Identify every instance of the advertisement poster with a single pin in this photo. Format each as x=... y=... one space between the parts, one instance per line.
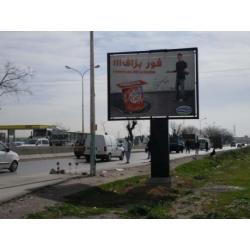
x=162 y=83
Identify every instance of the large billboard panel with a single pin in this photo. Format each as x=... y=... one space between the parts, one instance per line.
x=159 y=84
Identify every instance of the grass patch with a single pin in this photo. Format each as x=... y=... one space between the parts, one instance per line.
x=132 y=198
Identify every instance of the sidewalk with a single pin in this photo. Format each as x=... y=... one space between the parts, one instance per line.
x=26 y=184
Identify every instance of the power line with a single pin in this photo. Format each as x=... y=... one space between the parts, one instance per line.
x=68 y=80
x=101 y=79
x=223 y=70
x=223 y=76
x=60 y=84
x=66 y=84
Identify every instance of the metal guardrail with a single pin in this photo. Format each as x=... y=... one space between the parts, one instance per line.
x=37 y=150
x=42 y=150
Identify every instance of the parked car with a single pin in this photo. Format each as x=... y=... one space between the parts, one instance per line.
x=107 y=147
x=233 y=144
x=79 y=148
x=36 y=142
x=8 y=159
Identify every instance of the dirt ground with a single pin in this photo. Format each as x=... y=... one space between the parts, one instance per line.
x=51 y=195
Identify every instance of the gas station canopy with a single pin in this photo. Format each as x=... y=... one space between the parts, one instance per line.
x=12 y=128
x=17 y=127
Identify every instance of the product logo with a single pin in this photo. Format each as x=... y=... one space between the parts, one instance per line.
x=135 y=97
x=184 y=110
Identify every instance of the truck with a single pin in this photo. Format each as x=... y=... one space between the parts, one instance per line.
x=176 y=144
x=56 y=137
x=192 y=139
x=216 y=141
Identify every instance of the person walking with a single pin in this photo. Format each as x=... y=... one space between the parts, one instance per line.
x=206 y=146
x=187 y=145
x=127 y=149
x=197 y=147
x=149 y=149
x=182 y=71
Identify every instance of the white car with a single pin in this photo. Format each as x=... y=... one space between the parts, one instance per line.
x=36 y=142
x=8 y=159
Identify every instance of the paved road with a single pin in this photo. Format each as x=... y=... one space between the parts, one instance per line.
x=35 y=174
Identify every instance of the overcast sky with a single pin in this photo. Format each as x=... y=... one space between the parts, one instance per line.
x=224 y=74
x=224 y=83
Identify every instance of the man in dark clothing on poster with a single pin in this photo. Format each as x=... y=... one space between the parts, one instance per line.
x=182 y=71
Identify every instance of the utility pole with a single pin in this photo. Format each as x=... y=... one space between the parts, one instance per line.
x=92 y=108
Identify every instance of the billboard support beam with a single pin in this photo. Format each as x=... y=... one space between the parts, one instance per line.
x=160 y=166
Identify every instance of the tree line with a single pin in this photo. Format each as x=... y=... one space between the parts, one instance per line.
x=208 y=131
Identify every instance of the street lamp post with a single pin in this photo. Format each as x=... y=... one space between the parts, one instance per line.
x=200 y=123
x=82 y=75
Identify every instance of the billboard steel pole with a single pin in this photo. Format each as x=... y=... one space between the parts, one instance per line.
x=92 y=108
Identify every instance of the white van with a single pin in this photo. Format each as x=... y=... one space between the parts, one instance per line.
x=107 y=147
x=202 y=142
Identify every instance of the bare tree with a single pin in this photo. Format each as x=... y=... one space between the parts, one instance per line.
x=130 y=126
x=13 y=80
x=139 y=129
x=190 y=130
x=227 y=135
x=176 y=128
x=61 y=126
x=103 y=126
x=211 y=131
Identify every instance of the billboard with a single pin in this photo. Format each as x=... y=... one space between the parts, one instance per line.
x=155 y=83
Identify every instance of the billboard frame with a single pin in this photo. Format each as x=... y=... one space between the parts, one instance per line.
x=196 y=89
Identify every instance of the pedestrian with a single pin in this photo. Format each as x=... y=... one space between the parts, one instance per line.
x=127 y=149
x=197 y=147
x=187 y=145
x=181 y=70
x=206 y=146
x=213 y=154
x=149 y=149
